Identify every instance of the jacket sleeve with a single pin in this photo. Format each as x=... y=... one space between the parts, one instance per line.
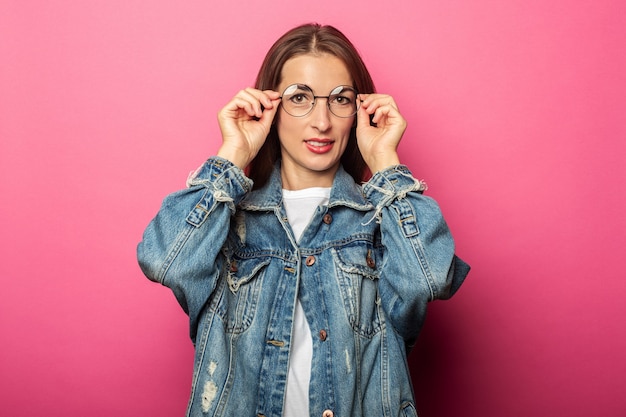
x=420 y=264
x=181 y=245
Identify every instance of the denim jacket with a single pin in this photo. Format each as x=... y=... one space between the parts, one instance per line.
x=364 y=270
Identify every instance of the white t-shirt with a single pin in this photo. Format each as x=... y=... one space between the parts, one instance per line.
x=300 y=206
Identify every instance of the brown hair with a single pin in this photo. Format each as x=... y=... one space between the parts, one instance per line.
x=307 y=39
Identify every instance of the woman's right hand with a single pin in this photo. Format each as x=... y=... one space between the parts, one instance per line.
x=245 y=123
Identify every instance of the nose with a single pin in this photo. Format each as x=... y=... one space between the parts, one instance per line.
x=320 y=115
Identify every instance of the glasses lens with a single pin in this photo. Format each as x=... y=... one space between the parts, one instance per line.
x=343 y=102
x=298 y=100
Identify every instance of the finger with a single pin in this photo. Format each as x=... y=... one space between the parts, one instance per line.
x=362 y=117
x=272 y=95
x=266 y=98
x=237 y=107
x=247 y=101
x=383 y=113
x=382 y=108
x=269 y=113
x=252 y=100
x=373 y=101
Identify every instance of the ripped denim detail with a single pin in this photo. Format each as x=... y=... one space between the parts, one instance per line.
x=387 y=188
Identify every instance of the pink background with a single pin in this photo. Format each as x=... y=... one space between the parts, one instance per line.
x=516 y=114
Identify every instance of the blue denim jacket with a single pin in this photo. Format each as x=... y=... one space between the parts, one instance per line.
x=364 y=270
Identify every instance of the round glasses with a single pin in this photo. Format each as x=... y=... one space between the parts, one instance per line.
x=298 y=100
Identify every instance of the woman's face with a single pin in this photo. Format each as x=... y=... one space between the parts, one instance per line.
x=312 y=145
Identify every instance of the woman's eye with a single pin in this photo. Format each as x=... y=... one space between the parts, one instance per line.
x=340 y=100
x=299 y=99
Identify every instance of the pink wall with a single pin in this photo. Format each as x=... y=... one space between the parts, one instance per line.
x=516 y=117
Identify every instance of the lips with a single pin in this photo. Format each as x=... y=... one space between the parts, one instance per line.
x=317 y=145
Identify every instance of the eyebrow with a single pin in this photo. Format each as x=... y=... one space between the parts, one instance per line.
x=303 y=86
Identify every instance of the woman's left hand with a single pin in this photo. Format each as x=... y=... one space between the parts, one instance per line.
x=378 y=144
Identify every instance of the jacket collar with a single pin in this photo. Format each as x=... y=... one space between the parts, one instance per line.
x=344 y=192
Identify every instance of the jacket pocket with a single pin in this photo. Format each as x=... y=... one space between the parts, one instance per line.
x=243 y=279
x=357 y=271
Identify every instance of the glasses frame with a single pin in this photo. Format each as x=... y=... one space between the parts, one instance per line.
x=306 y=87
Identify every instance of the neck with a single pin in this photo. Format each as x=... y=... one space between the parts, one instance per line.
x=298 y=179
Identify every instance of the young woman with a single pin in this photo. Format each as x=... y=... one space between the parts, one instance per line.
x=304 y=287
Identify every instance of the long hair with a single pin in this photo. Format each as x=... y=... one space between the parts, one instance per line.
x=310 y=39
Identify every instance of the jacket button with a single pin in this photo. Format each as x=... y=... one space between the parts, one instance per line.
x=310 y=260
x=327 y=413
x=323 y=335
x=233 y=267
x=328 y=219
